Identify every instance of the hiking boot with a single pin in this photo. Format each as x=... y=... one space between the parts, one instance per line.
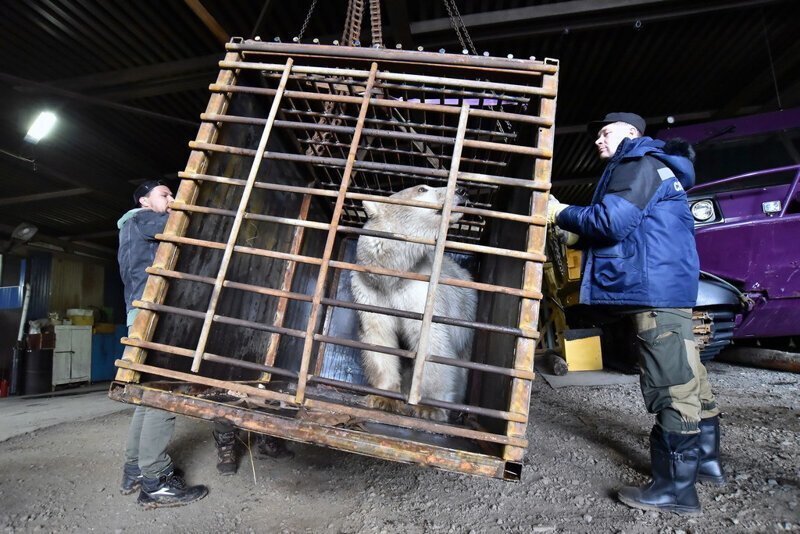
x=168 y=490
x=131 y=478
x=226 y=452
x=272 y=447
x=710 y=471
x=674 y=461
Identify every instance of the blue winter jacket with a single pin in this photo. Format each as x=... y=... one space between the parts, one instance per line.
x=638 y=232
x=137 y=249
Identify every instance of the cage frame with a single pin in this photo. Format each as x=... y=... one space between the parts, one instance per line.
x=172 y=395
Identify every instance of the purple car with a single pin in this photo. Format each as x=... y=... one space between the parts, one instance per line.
x=746 y=207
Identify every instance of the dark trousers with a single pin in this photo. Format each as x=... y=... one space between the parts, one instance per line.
x=674 y=381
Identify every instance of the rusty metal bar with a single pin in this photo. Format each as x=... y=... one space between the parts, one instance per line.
x=326 y=255
x=383 y=102
x=438 y=257
x=354 y=267
x=301 y=223
x=218 y=318
x=385 y=122
x=414 y=423
x=355 y=441
x=167 y=253
x=229 y=284
x=382 y=150
x=527 y=219
x=327 y=82
x=394 y=76
x=188 y=353
x=237 y=222
x=440 y=139
x=450 y=245
x=466 y=364
x=519 y=399
x=199 y=379
x=238 y=248
x=286 y=285
x=447 y=281
x=460 y=61
x=513 y=331
x=378 y=167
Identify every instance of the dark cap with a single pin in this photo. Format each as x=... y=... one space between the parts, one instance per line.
x=144 y=189
x=630 y=118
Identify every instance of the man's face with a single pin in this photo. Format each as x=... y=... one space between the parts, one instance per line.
x=611 y=135
x=157 y=199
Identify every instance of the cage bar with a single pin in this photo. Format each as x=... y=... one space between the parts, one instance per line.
x=249 y=293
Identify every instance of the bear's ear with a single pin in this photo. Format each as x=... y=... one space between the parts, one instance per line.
x=372 y=208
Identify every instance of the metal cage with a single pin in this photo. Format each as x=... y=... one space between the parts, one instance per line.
x=247 y=315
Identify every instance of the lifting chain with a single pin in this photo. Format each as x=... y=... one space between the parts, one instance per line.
x=458 y=25
x=308 y=18
x=352 y=26
x=376 y=23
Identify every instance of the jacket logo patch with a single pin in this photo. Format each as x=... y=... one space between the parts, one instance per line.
x=665 y=173
x=677 y=185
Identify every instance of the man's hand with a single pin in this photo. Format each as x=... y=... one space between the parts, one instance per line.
x=554 y=207
x=566 y=237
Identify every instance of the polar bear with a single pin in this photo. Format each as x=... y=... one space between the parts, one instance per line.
x=385 y=371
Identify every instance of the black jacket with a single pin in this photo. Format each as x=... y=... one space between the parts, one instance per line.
x=137 y=248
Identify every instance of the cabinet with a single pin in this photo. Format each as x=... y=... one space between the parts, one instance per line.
x=72 y=356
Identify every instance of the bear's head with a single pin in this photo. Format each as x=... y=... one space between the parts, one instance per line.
x=414 y=220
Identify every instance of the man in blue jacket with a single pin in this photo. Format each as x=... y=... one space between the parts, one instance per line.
x=640 y=261
x=147 y=463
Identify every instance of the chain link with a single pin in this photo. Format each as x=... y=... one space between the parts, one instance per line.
x=463 y=27
x=308 y=18
x=454 y=24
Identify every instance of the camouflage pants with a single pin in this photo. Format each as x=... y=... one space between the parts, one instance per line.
x=674 y=381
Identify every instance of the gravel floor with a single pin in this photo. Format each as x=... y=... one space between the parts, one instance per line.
x=585 y=443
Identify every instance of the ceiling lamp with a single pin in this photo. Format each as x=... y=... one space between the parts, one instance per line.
x=41 y=127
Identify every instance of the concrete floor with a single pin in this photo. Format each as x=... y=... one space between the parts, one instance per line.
x=25 y=414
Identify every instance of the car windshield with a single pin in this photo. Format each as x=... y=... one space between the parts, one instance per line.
x=725 y=158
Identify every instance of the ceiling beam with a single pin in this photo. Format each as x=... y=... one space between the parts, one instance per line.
x=36 y=87
x=399 y=25
x=62 y=245
x=101 y=185
x=208 y=19
x=585 y=15
x=147 y=73
x=524 y=15
x=764 y=81
x=44 y=196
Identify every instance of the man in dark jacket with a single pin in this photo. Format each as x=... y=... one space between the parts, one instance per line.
x=147 y=463
x=640 y=261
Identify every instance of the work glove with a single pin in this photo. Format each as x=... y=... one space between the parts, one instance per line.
x=554 y=207
x=566 y=237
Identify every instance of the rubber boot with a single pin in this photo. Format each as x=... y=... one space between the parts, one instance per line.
x=226 y=452
x=674 y=461
x=710 y=471
x=168 y=490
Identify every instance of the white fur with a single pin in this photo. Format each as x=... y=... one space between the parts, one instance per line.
x=442 y=382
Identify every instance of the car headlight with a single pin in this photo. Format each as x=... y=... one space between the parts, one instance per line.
x=703 y=211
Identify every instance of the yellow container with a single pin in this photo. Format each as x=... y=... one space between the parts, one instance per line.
x=582 y=349
x=80 y=316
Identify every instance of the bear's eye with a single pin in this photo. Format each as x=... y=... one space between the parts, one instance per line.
x=422 y=189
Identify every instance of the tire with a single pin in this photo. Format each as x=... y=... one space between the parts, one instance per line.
x=713 y=329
